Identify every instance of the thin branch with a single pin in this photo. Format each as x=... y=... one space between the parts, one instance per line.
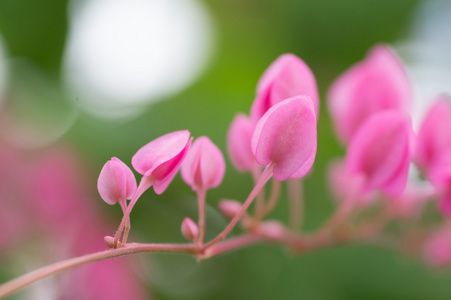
x=24 y=280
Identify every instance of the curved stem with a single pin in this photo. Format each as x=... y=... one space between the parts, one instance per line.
x=260 y=201
x=267 y=173
x=337 y=218
x=24 y=280
x=128 y=225
x=273 y=197
x=145 y=183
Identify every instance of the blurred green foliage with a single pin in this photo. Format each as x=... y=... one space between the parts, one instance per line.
x=329 y=35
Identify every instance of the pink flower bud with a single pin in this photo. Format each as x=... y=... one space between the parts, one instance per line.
x=229 y=208
x=190 y=230
x=109 y=241
x=272 y=229
x=286 y=137
x=381 y=151
x=376 y=84
x=116 y=182
x=286 y=77
x=239 y=143
x=160 y=159
x=434 y=136
x=204 y=165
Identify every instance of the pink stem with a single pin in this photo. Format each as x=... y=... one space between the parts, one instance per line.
x=260 y=201
x=273 y=197
x=201 y=193
x=296 y=202
x=145 y=183
x=231 y=244
x=267 y=173
x=24 y=280
x=338 y=216
x=127 y=226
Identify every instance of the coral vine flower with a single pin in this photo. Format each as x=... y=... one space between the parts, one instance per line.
x=239 y=143
x=204 y=165
x=286 y=77
x=159 y=160
x=376 y=84
x=434 y=136
x=381 y=151
x=116 y=182
x=440 y=177
x=286 y=137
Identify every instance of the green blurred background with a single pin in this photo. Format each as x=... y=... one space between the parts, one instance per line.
x=329 y=36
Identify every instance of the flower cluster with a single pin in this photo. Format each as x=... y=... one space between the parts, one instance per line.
x=369 y=105
x=375 y=183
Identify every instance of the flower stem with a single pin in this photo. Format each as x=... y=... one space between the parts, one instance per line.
x=260 y=201
x=296 y=202
x=273 y=197
x=127 y=226
x=24 y=280
x=201 y=193
x=230 y=244
x=267 y=173
x=145 y=183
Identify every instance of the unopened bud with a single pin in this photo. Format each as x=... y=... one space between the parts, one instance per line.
x=272 y=229
x=189 y=229
x=109 y=241
x=229 y=208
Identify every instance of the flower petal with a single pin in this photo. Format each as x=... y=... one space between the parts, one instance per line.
x=286 y=136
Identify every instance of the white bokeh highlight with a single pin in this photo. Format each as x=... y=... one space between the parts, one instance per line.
x=123 y=54
x=427 y=55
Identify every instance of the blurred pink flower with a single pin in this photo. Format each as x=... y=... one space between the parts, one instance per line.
x=440 y=177
x=381 y=151
x=434 y=136
x=376 y=84
x=239 y=143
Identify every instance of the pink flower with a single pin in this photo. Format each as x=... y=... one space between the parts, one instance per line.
x=434 y=136
x=376 y=84
x=286 y=77
x=239 y=143
x=116 y=182
x=286 y=137
x=381 y=151
x=159 y=160
x=440 y=177
x=204 y=165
